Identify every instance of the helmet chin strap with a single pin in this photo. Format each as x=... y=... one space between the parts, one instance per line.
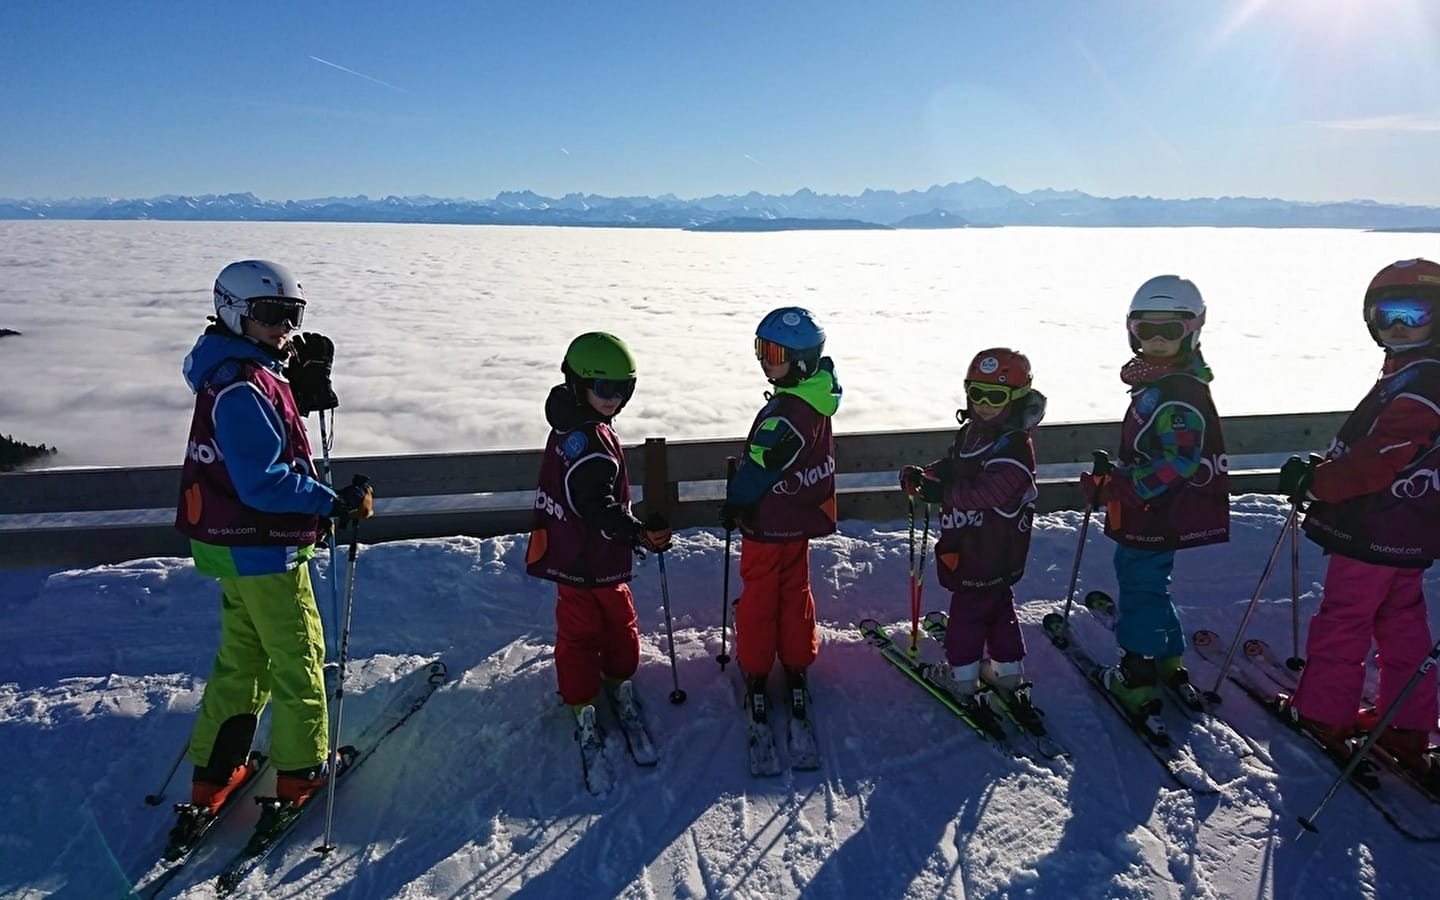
x=1400 y=348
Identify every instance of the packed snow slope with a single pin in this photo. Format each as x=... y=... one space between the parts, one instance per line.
x=480 y=794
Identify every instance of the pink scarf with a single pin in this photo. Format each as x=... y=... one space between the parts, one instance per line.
x=1145 y=371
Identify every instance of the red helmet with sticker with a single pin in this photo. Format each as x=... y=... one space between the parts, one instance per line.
x=1000 y=365
x=1406 y=279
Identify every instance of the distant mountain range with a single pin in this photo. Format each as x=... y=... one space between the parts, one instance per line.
x=974 y=203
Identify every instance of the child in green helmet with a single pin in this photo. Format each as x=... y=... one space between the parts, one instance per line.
x=583 y=534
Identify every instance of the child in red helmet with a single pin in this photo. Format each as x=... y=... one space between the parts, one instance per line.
x=1375 y=508
x=986 y=485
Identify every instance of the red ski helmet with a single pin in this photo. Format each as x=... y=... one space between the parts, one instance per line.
x=1407 y=278
x=1000 y=365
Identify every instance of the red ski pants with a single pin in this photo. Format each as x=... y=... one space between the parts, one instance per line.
x=1364 y=600
x=776 y=612
x=595 y=636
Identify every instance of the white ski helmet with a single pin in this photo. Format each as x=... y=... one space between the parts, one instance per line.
x=240 y=283
x=1169 y=294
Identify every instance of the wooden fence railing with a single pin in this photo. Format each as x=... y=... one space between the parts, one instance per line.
x=92 y=516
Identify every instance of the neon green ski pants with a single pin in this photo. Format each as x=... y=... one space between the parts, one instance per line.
x=271 y=642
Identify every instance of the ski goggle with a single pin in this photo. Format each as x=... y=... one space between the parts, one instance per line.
x=273 y=312
x=770 y=352
x=1393 y=311
x=1168 y=329
x=983 y=394
x=613 y=388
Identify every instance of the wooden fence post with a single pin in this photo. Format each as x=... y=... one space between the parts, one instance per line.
x=660 y=493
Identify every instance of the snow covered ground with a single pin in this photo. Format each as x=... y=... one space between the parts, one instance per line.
x=480 y=794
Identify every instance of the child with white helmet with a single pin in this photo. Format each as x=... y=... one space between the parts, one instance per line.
x=253 y=508
x=1169 y=491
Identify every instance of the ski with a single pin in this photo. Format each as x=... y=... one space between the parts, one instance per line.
x=1178 y=760
x=638 y=742
x=594 y=765
x=764 y=756
x=278 y=819
x=1031 y=731
x=180 y=848
x=1259 y=652
x=1259 y=655
x=1401 y=801
x=1190 y=701
x=800 y=743
x=981 y=719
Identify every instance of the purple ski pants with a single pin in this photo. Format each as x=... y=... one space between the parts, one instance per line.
x=982 y=618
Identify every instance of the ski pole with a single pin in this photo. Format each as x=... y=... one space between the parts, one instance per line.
x=677 y=696
x=325 y=439
x=919 y=583
x=914 y=601
x=1080 y=544
x=724 y=656
x=159 y=795
x=325 y=845
x=1296 y=662
x=1213 y=695
x=1428 y=663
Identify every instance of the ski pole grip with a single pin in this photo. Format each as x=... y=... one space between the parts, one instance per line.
x=730 y=464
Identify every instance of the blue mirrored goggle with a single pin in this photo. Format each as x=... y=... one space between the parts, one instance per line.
x=613 y=388
x=1409 y=311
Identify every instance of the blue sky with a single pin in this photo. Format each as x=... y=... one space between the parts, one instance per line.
x=1302 y=99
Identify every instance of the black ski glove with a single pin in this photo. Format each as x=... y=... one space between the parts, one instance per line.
x=354 y=502
x=1296 y=476
x=730 y=513
x=654 y=534
x=309 y=372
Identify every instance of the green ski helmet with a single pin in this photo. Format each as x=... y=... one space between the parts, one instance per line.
x=601 y=362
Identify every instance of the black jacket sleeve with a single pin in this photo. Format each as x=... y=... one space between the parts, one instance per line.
x=592 y=493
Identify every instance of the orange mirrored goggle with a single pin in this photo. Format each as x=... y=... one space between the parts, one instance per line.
x=770 y=352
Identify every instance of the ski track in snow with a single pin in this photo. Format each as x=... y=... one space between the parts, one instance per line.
x=480 y=794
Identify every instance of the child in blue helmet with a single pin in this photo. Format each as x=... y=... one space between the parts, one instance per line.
x=782 y=495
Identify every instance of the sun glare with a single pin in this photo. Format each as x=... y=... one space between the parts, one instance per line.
x=1332 y=23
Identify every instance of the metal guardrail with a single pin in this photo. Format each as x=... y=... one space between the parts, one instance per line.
x=68 y=517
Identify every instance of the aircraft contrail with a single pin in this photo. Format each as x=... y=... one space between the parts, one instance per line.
x=326 y=62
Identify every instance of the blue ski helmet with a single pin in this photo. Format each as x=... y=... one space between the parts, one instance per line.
x=794 y=330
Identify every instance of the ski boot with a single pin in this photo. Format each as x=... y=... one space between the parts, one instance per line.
x=1024 y=710
x=297 y=786
x=1133 y=684
x=1172 y=671
x=1340 y=741
x=627 y=705
x=799 y=693
x=755 y=699
x=1411 y=750
x=1007 y=679
x=959 y=682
